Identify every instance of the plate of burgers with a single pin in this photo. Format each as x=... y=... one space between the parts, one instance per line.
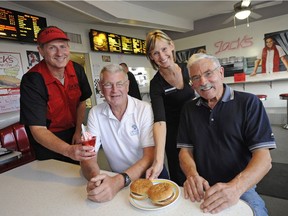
x=153 y=194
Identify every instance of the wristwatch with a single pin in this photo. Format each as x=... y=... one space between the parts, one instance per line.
x=127 y=179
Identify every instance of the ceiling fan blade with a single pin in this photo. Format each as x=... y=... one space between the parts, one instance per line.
x=228 y=20
x=245 y=3
x=267 y=4
x=255 y=15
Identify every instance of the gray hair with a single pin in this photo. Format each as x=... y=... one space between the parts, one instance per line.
x=113 y=69
x=200 y=56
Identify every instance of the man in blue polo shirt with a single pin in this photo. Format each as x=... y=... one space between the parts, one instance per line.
x=225 y=137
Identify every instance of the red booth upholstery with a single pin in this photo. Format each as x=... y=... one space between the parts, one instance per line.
x=15 y=137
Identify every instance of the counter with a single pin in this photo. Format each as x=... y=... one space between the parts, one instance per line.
x=9 y=118
x=263 y=77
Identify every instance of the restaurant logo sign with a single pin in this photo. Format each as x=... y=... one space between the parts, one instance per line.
x=238 y=43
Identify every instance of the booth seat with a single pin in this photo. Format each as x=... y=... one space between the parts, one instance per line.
x=15 y=137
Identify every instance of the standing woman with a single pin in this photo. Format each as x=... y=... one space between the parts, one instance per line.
x=169 y=90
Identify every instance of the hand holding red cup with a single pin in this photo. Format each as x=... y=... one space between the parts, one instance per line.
x=90 y=141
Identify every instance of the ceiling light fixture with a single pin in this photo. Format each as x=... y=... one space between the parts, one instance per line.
x=242 y=10
x=243 y=14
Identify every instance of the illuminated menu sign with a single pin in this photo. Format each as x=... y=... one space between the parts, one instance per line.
x=98 y=41
x=110 y=42
x=20 y=26
x=127 y=45
x=137 y=46
x=114 y=41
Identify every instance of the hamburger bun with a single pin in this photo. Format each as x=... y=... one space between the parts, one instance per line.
x=161 y=194
x=139 y=188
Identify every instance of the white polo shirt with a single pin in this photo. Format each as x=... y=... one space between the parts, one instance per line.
x=122 y=141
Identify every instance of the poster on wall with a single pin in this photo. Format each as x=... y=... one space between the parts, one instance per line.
x=11 y=70
x=33 y=58
x=182 y=56
x=281 y=39
x=9 y=100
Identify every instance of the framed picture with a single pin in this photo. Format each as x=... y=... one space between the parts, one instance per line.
x=33 y=58
x=106 y=58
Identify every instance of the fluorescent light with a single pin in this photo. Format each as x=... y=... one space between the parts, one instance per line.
x=243 y=14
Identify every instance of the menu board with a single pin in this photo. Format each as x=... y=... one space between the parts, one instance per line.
x=127 y=45
x=20 y=26
x=98 y=41
x=110 y=42
x=137 y=46
x=114 y=42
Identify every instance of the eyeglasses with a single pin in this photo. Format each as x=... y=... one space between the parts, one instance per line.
x=119 y=84
x=207 y=75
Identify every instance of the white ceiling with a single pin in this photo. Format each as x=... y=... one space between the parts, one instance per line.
x=178 y=18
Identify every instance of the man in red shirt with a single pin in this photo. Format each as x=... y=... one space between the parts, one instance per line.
x=52 y=103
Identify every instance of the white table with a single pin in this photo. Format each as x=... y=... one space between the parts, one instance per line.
x=56 y=188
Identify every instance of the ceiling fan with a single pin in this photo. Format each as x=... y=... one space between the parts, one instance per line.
x=244 y=10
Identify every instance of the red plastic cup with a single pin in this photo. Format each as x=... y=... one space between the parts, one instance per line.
x=90 y=142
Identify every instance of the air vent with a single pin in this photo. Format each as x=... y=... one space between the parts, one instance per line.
x=74 y=38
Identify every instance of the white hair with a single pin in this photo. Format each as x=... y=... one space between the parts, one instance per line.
x=200 y=56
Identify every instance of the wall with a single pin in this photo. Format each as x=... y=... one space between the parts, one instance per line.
x=240 y=41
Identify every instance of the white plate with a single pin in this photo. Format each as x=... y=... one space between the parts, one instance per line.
x=147 y=204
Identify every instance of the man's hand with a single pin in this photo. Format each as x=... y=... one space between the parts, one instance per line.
x=103 y=188
x=79 y=152
x=76 y=138
x=219 y=197
x=195 y=187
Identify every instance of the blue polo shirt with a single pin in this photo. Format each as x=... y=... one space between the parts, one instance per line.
x=222 y=139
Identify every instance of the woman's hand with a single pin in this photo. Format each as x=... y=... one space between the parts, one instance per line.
x=154 y=171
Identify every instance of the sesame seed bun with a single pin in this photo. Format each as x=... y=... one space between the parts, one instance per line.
x=139 y=188
x=161 y=194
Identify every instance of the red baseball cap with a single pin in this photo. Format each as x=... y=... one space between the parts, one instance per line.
x=50 y=34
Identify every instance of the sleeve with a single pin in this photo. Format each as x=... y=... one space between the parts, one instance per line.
x=93 y=127
x=258 y=132
x=83 y=82
x=33 y=100
x=146 y=130
x=280 y=51
x=157 y=101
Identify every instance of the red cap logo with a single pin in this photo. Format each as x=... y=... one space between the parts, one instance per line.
x=50 y=34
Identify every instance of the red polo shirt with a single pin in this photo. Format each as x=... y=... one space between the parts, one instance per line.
x=63 y=100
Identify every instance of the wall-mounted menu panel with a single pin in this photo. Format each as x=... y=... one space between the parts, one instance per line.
x=127 y=46
x=98 y=41
x=18 y=26
x=111 y=42
x=114 y=42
